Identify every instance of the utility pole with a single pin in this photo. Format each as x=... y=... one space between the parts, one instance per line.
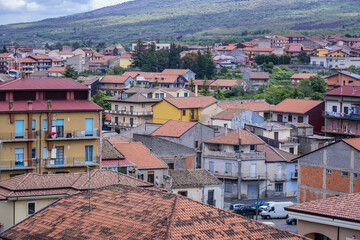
x=257 y=199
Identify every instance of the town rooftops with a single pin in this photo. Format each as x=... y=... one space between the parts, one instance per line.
x=33 y=184
x=300 y=106
x=175 y=71
x=109 y=152
x=347 y=90
x=236 y=137
x=229 y=47
x=165 y=78
x=138 y=154
x=173 y=128
x=259 y=75
x=354 y=142
x=303 y=75
x=199 y=82
x=268 y=126
x=123 y=212
x=229 y=113
x=193 y=178
x=57 y=69
x=4 y=55
x=225 y=82
x=191 y=102
x=273 y=154
x=26 y=60
x=253 y=106
x=45 y=84
x=344 y=207
x=350 y=74
x=136 y=98
x=256 y=49
x=114 y=79
x=126 y=55
x=293 y=35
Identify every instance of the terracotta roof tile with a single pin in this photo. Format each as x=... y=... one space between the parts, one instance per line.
x=57 y=69
x=301 y=106
x=109 y=152
x=173 y=128
x=175 y=71
x=114 y=79
x=191 y=102
x=273 y=154
x=345 y=207
x=355 y=142
x=122 y=212
x=225 y=82
x=199 y=82
x=253 y=106
x=26 y=60
x=42 y=83
x=348 y=90
x=126 y=55
x=233 y=138
x=229 y=113
x=138 y=154
x=303 y=75
x=259 y=75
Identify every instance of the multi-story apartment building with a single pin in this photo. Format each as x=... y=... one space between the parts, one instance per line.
x=4 y=62
x=25 y=66
x=342 y=112
x=48 y=126
x=44 y=63
x=115 y=84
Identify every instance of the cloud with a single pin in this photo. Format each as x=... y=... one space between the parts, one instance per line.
x=14 y=11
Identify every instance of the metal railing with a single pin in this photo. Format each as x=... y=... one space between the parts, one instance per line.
x=226 y=173
x=10 y=136
x=209 y=153
x=70 y=162
x=74 y=134
x=348 y=131
x=122 y=124
x=131 y=113
x=340 y=115
x=12 y=164
x=252 y=156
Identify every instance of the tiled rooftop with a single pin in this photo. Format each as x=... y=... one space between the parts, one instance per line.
x=193 y=178
x=122 y=212
x=301 y=106
x=355 y=142
x=114 y=79
x=303 y=75
x=42 y=84
x=259 y=75
x=175 y=71
x=228 y=113
x=253 y=106
x=173 y=128
x=273 y=154
x=233 y=137
x=225 y=82
x=191 y=102
x=268 y=125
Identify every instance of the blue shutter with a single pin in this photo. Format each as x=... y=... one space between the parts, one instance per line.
x=59 y=122
x=89 y=126
x=19 y=128
x=44 y=124
x=89 y=153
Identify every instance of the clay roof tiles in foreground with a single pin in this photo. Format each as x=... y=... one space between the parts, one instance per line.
x=191 y=102
x=345 y=207
x=173 y=128
x=301 y=106
x=233 y=137
x=122 y=212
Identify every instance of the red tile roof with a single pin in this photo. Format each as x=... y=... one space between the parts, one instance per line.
x=40 y=57
x=229 y=47
x=191 y=102
x=138 y=154
x=26 y=60
x=303 y=75
x=5 y=55
x=253 y=106
x=175 y=71
x=348 y=90
x=355 y=142
x=233 y=137
x=114 y=79
x=259 y=75
x=301 y=106
x=229 y=113
x=57 y=105
x=115 y=163
x=126 y=55
x=57 y=69
x=66 y=53
x=173 y=128
x=345 y=207
x=255 y=49
x=199 y=82
x=42 y=84
x=123 y=212
x=225 y=82
x=273 y=154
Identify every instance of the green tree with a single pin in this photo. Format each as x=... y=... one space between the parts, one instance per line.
x=58 y=46
x=116 y=70
x=205 y=88
x=237 y=90
x=304 y=58
x=137 y=55
x=70 y=72
x=260 y=59
x=149 y=59
x=224 y=70
x=305 y=88
x=99 y=99
x=156 y=83
x=192 y=85
x=318 y=84
x=174 y=57
x=352 y=69
x=210 y=66
x=218 y=94
x=285 y=59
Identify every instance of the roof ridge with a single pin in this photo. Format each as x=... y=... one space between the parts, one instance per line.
x=171 y=218
x=80 y=175
x=9 y=82
x=26 y=176
x=276 y=152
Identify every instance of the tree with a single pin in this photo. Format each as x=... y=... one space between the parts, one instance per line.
x=305 y=87
x=70 y=72
x=58 y=46
x=205 y=89
x=224 y=70
x=100 y=46
x=137 y=55
x=218 y=94
x=116 y=70
x=318 y=84
x=192 y=85
x=304 y=58
x=99 y=99
x=156 y=83
x=174 y=57
x=285 y=59
x=352 y=69
x=209 y=65
x=237 y=90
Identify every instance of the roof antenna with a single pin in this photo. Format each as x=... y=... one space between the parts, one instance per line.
x=89 y=191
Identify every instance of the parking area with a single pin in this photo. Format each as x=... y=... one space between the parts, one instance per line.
x=279 y=223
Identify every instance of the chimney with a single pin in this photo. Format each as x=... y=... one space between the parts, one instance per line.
x=226 y=129
x=196 y=90
x=30 y=105
x=11 y=105
x=49 y=105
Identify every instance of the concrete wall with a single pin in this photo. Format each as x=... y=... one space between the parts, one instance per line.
x=209 y=112
x=218 y=194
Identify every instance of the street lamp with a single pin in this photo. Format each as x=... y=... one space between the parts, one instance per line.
x=257 y=199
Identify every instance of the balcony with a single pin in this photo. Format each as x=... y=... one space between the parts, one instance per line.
x=252 y=177
x=280 y=177
x=211 y=202
x=10 y=137
x=341 y=115
x=194 y=119
x=219 y=154
x=126 y=125
x=253 y=156
x=130 y=113
x=12 y=165
x=343 y=131
x=71 y=162
x=73 y=135
x=294 y=175
x=226 y=174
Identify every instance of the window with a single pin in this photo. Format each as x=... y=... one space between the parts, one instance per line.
x=184 y=112
x=290 y=118
x=89 y=127
x=345 y=174
x=177 y=94
x=161 y=95
x=253 y=170
x=19 y=128
x=45 y=152
x=328 y=171
x=252 y=148
x=334 y=108
x=157 y=95
x=33 y=153
x=355 y=175
x=59 y=155
x=183 y=193
x=89 y=153
x=291 y=150
x=30 y=208
x=236 y=148
x=45 y=123
x=33 y=124
x=211 y=167
x=196 y=144
x=171 y=165
x=300 y=119
x=278 y=187
x=116 y=108
x=59 y=123
x=228 y=167
x=19 y=157
x=143 y=105
x=228 y=187
x=346 y=110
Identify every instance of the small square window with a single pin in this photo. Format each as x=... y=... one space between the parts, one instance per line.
x=328 y=171
x=355 y=176
x=33 y=153
x=252 y=148
x=345 y=174
x=184 y=112
x=171 y=165
x=184 y=193
x=279 y=187
x=30 y=208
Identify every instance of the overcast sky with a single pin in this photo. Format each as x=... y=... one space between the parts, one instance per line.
x=15 y=11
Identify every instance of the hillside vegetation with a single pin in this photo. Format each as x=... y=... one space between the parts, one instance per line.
x=192 y=21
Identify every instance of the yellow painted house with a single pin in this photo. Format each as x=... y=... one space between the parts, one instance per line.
x=125 y=60
x=194 y=109
x=337 y=53
x=321 y=52
x=49 y=125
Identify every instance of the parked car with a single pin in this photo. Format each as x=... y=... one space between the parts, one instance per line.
x=291 y=221
x=244 y=209
x=261 y=205
x=235 y=206
x=276 y=210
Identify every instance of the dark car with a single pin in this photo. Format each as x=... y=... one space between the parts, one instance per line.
x=291 y=221
x=235 y=206
x=246 y=209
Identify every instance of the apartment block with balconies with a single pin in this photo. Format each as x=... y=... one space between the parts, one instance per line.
x=48 y=126
x=342 y=112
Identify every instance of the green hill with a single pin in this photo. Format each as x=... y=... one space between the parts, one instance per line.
x=192 y=21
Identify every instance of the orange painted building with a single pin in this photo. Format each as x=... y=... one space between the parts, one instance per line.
x=341 y=78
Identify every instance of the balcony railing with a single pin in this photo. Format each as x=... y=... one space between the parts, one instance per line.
x=341 y=115
x=74 y=135
x=113 y=124
x=211 y=202
x=252 y=156
x=252 y=177
x=225 y=174
x=11 y=137
x=130 y=113
x=280 y=177
x=70 y=162
x=219 y=154
x=344 y=131
x=13 y=165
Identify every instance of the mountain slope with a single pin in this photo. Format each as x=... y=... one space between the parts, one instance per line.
x=191 y=19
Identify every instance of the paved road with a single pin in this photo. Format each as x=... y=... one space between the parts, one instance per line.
x=279 y=223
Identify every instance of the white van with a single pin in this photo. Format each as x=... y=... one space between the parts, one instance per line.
x=276 y=210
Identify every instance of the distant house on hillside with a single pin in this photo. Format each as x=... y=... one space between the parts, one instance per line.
x=256 y=79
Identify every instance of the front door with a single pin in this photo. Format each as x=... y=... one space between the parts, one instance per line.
x=19 y=128
x=279 y=117
x=252 y=191
x=89 y=126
